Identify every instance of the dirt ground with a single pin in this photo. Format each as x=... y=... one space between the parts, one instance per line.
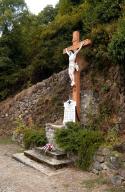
x=16 y=177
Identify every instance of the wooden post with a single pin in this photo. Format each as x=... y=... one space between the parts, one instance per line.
x=76 y=88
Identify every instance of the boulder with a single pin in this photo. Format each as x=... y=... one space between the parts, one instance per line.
x=116 y=180
x=103 y=151
x=99 y=158
x=122 y=173
x=97 y=166
x=120 y=148
x=114 y=163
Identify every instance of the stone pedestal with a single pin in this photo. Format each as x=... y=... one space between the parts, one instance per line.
x=50 y=133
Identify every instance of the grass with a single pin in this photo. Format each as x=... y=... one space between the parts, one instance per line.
x=90 y=184
x=8 y=141
x=5 y=140
x=116 y=189
x=95 y=183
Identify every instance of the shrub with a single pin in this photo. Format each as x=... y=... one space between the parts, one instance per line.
x=34 y=138
x=116 y=47
x=89 y=143
x=32 y=135
x=79 y=141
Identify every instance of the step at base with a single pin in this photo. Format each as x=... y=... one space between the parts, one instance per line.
x=59 y=155
x=49 y=161
x=39 y=167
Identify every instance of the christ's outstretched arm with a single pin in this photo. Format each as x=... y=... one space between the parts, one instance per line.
x=67 y=51
x=78 y=49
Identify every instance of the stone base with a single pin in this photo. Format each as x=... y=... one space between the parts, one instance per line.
x=45 y=159
x=56 y=154
x=53 y=159
x=50 y=134
x=39 y=167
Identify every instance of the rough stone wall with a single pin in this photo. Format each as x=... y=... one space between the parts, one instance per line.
x=110 y=163
x=38 y=103
x=103 y=97
x=101 y=93
x=89 y=104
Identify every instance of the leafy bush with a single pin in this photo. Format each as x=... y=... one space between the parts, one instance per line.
x=32 y=135
x=34 y=138
x=116 y=47
x=90 y=141
x=79 y=141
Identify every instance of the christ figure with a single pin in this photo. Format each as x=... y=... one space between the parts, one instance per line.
x=72 y=64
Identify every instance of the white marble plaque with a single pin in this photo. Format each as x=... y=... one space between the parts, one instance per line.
x=69 y=111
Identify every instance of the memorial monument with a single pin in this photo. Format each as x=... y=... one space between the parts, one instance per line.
x=50 y=154
x=69 y=111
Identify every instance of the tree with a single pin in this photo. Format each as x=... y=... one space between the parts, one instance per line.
x=76 y=2
x=10 y=12
x=64 y=7
x=47 y=15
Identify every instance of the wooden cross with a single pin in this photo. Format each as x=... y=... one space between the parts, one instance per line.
x=76 y=88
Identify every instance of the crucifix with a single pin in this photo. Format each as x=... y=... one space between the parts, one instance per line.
x=74 y=68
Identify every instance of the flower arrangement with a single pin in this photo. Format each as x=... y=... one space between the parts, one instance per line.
x=48 y=147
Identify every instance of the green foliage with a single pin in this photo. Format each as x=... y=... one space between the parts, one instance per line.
x=64 y=6
x=69 y=138
x=10 y=11
x=116 y=46
x=31 y=46
x=34 y=138
x=32 y=135
x=80 y=141
x=90 y=142
x=47 y=15
x=108 y=10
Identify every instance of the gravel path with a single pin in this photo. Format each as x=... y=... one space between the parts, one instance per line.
x=16 y=177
